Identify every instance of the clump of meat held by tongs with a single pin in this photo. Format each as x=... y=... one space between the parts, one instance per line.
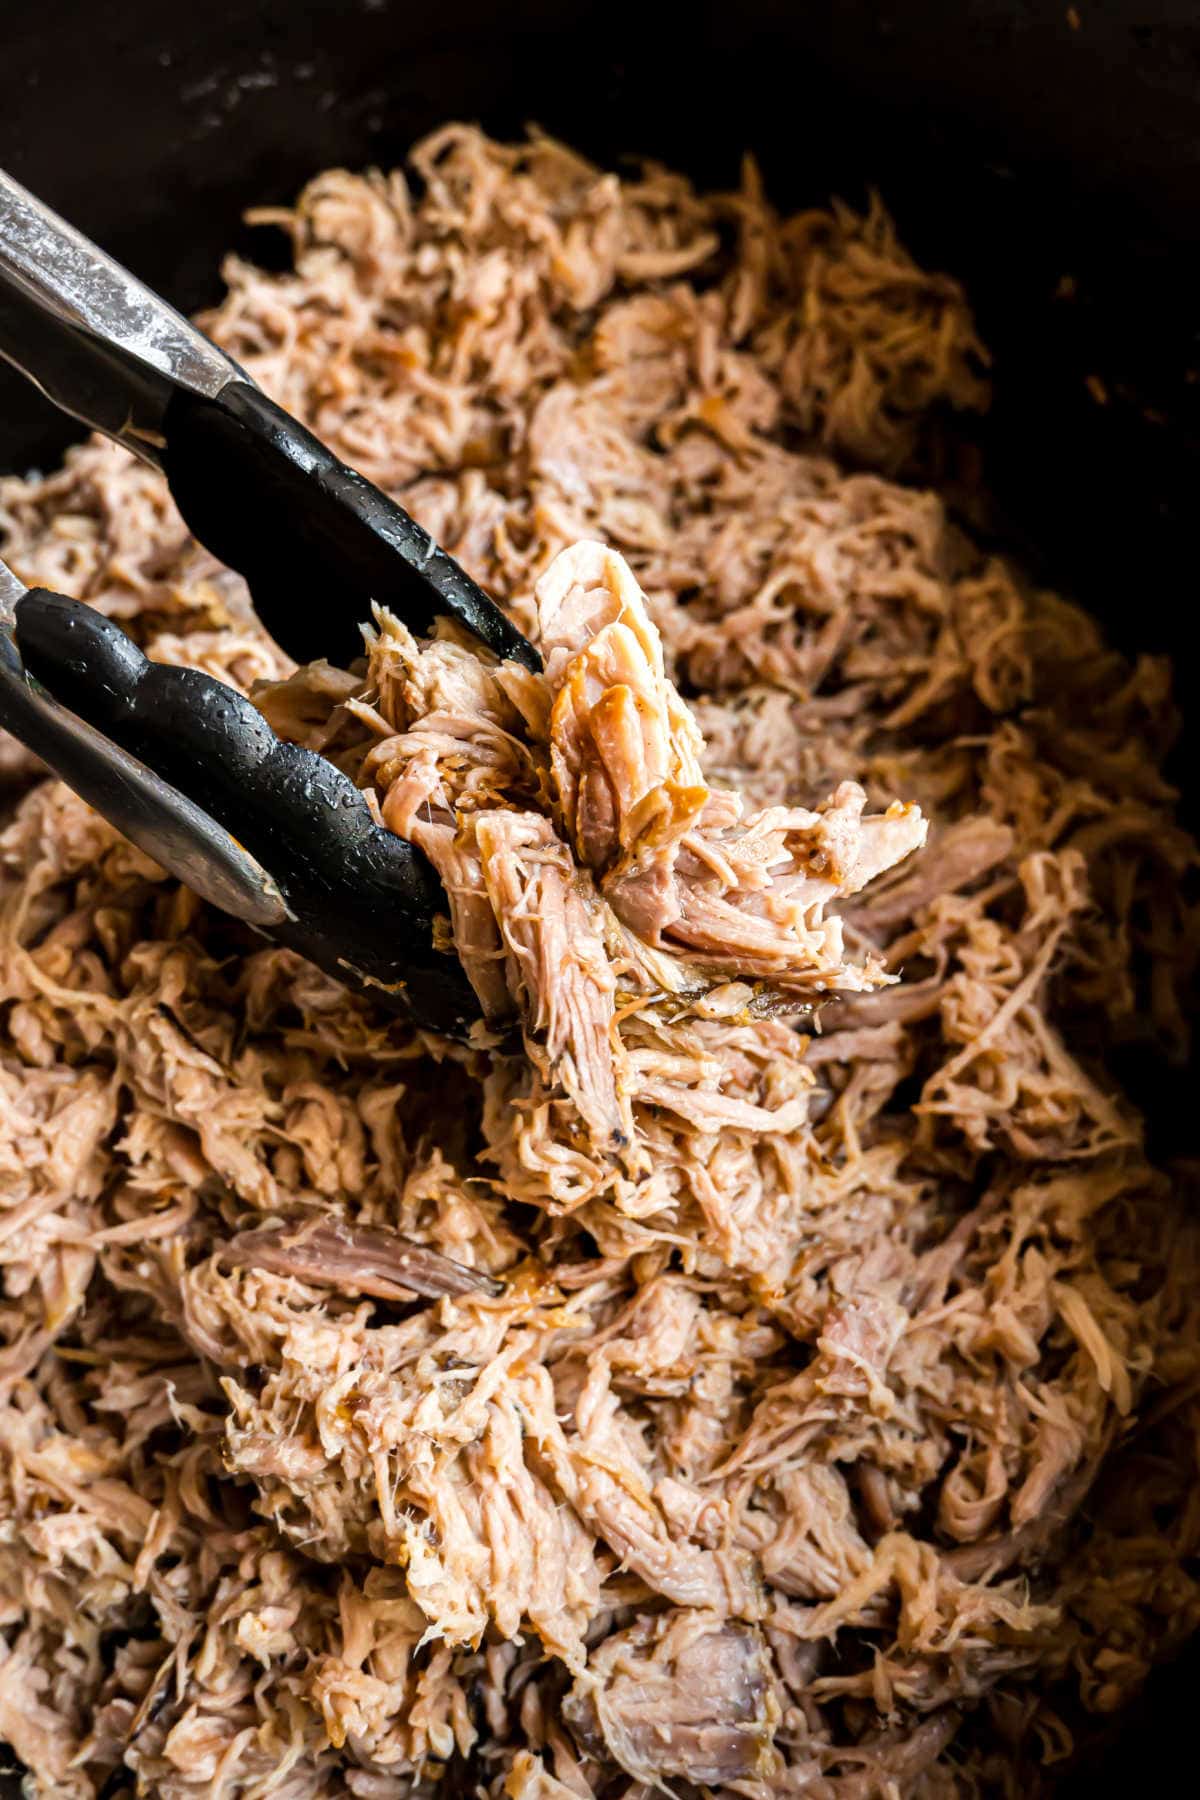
x=589 y=865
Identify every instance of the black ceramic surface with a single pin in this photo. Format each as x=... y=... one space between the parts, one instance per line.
x=1015 y=147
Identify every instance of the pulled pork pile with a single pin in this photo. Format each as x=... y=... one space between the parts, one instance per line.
x=671 y=1396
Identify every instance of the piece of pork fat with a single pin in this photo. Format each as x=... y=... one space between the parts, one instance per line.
x=677 y=861
x=958 y=856
x=355 y=1259
x=624 y=749
x=684 y=1694
x=557 y=967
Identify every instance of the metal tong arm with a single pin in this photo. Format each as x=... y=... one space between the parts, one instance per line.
x=315 y=540
x=193 y=774
x=97 y=342
x=148 y=810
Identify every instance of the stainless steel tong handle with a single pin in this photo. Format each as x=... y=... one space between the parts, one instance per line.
x=315 y=541
x=96 y=341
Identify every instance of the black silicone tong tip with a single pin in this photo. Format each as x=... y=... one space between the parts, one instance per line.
x=316 y=542
x=362 y=901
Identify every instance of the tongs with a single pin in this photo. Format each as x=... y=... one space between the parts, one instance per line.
x=183 y=765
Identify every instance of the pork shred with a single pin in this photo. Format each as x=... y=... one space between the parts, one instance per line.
x=667 y=1387
x=680 y=1695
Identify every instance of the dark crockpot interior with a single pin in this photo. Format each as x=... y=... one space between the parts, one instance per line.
x=1017 y=144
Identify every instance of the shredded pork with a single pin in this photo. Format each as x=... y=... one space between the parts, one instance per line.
x=765 y=1358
